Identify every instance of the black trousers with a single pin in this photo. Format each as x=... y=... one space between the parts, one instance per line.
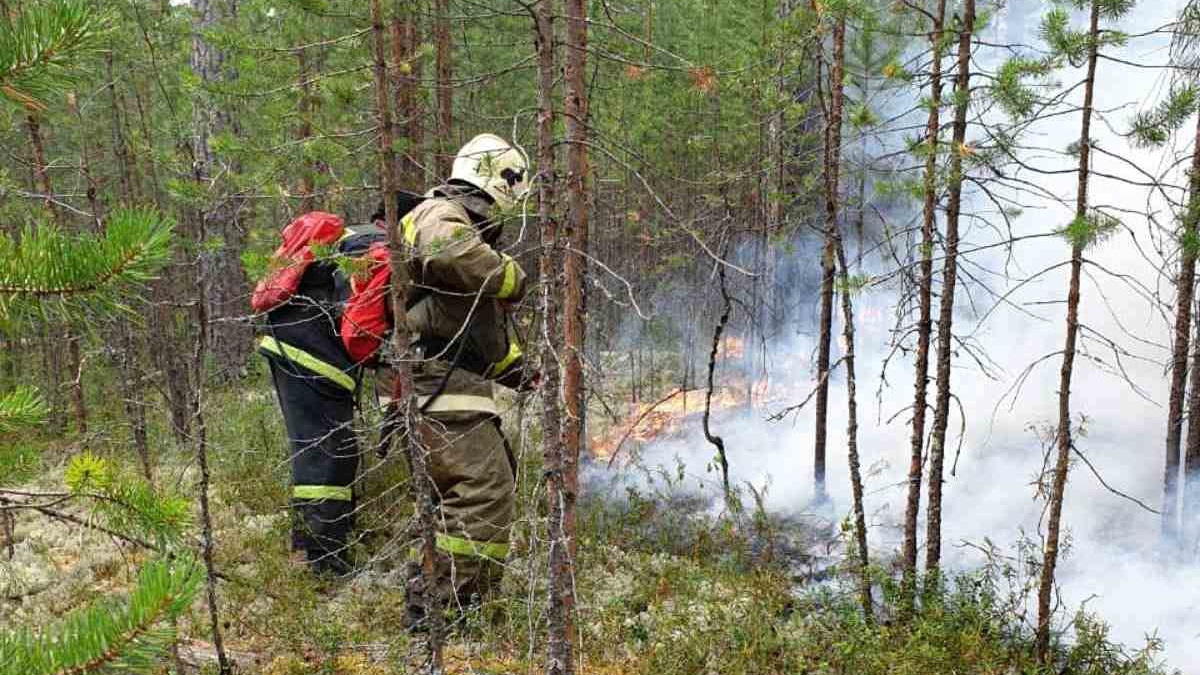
x=319 y=417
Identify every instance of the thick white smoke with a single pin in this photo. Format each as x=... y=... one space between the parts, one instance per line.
x=1113 y=564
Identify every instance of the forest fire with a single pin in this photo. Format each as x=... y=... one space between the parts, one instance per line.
x=731 y=347
x=666 y=417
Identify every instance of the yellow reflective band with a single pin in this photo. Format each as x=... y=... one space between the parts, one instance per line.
x=290 y=353
x=474 y=549
x=509 y=285
x=514 y=353
x=331 y=492
x=460 y=403
x=410 y=229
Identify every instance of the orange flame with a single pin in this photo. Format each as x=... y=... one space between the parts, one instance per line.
x=649 y=421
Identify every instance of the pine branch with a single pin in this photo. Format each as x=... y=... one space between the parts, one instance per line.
x=108 y=635
x=41 y=47
x=46 y=269
x=21 y=408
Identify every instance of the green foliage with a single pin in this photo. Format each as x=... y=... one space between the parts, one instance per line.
x=41 y=47
x=21 y=408
x=125 y=503
x=1010 y=88
x=1085 y=231
x=47 y=271
x=109 y=635
x=853 y=284
x=1152 y=128
x=1063 y=40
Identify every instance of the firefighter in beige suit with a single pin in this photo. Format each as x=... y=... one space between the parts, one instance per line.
x=462 y=287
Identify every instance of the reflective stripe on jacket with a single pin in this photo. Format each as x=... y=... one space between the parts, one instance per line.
x=463 y=281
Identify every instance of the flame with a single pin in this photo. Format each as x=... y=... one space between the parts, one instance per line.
x=648 y=421
x=731 y=347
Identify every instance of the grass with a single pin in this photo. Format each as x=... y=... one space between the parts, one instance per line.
x=664 y=586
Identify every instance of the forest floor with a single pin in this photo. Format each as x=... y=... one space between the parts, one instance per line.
x=665 y=584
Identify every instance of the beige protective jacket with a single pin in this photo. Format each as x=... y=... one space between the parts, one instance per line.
x=463 y=282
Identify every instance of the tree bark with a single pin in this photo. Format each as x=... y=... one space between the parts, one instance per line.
x=1063 y=436
x=403 y=391
x=445 y=88
x=560 y=636
x=1185 y=294
x=856 y=484
x=925 y=300
x=945 y=335
x=405 y=42
x=832 y=167
x=575 y=108
x=304 y=131
x=229 y=337
x=1190 y=530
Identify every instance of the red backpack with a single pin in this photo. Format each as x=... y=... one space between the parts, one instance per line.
x=293 y=257
x=367 y=319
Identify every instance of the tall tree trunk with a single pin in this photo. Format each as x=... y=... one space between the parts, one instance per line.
x=575 y=110
x=219 y=220
x=207 y=541
x=925 y=299
x=945 y=336
x=128 y=344
x=832 y=167
x=1185 y=294
x=560 y=642
x=74 y=360
x=304 y=131
x=1063 y=439
x=856 y=484
x=405 y=42
x=1190 y=523
x=403 y=392
x=445 y=88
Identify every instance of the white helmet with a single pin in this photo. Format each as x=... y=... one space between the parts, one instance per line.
x=489 y=163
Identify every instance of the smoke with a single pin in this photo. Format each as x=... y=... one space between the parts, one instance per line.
x=1113 y=565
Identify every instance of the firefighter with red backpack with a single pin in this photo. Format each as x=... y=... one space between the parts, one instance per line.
x=463 y=286
x=317 y=385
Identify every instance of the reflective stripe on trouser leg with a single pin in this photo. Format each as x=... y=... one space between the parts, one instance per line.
x=471 y=472
x=324 y=459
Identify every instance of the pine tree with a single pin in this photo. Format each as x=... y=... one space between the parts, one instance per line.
x=912 y=510
x=1086 y=228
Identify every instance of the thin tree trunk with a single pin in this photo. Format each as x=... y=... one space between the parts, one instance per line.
x=304 y=130
x=560 y=642
x=207 y=544
x=408 y=80
x=925 y=295
x=40 y=170
x=716 y=441
x=1063 y=437
x=833 y=154
x=403 y=391
x=133 y=381
x=74 y=361
x=1190 y=530
x=945 y=336
x=229 y=338
x=856 y=484
x=445 y=88
x=575 y=108
x=125 y=169
x=1185 y=289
